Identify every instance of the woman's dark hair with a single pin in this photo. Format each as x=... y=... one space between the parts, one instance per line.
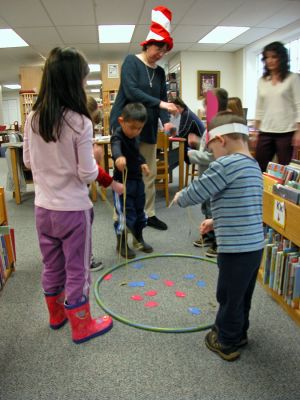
x=157 y=44
x=284 y=65
x=178 y=102
x=61 y=90
x=134 y=112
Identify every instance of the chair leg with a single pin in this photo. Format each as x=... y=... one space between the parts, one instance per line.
x=187 y=167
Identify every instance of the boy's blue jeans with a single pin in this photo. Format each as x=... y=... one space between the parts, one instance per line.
x=236 y=283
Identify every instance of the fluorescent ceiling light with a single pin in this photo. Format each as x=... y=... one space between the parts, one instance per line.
x=115 y=33
x=13 y=86
x=223 y=34
x=95 y=90
x=9 y=38
x=94 y=82
x=94 y=67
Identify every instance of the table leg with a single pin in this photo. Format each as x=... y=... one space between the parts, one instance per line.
x=181 y=164
x=14 y=166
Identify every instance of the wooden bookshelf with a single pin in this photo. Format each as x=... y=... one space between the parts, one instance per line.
x=4 y=221
x=26 y=102
x=290 y=231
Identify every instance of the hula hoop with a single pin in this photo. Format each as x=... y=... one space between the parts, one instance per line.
x=136 y=324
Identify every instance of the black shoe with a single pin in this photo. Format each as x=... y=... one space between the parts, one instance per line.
x=212 y=252
x=228 y=353
x=155 y=223
x=123 y=249
x=95 y=265
x=139 y=243
x=243 y=341
x=204 y=241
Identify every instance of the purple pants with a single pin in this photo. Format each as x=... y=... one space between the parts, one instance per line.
x=65 y=243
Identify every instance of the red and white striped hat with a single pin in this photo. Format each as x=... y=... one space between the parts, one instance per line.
x=160 y=27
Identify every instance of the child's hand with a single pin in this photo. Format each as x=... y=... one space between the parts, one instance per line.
x=121 y=163
x=117 y=187
x=176 y=197
x=145 y=169
x=206 y=226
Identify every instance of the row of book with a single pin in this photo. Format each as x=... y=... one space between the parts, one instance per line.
x=7 y=252
x=286 y=180
x=281 y=267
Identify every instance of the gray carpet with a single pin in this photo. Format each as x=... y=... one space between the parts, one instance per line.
x=128 y=363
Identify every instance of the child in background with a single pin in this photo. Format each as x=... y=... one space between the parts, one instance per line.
x=58 y=149
x=235 y=106
x=95 y=114
x=92 y=107
x=234 y=184
x=203 y=158
x=126 y=154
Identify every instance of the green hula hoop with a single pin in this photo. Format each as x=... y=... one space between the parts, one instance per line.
x=136 y=324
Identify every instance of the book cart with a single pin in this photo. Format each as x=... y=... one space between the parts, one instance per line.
x=7 y=249
x=290 y=230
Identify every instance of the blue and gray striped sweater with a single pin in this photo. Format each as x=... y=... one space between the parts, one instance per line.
x=234 y=185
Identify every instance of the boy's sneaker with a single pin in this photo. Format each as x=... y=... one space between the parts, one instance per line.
x=95 y=265
x=212 y=251
x=228 y=353
x=156 y=223
x=203 y=242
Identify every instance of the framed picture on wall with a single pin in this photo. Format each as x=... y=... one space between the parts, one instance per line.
x=207 y=80
x=113 y=71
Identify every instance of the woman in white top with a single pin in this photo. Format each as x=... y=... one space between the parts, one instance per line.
x=277 y=108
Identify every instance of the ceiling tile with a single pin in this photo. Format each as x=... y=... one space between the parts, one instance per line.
x=140 y=33
x=35 y=36
x=286 y=16
x=190 y=33
x=210 y=12
x=115 y=12
x=252 y=12
x=20 y=13
x=78 y=34
x=252 y=35
x=70 y=12
x=3 y=24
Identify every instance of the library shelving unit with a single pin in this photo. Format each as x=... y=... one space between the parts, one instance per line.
x=4 y=222
x=27 y=99
x=108 y=99
x=290 y=231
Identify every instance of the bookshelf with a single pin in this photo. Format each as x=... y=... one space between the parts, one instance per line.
x=27 y=99
x=9 y=240
x=289 y=231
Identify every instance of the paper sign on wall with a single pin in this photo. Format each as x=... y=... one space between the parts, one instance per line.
x=279 y=213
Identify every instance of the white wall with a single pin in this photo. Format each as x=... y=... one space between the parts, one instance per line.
x=191 y=62
x=13 y=95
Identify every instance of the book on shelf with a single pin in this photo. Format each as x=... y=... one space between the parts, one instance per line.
x=295 y=303
x=7 y=251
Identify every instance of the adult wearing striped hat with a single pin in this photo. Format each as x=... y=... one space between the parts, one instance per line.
x=142 y=80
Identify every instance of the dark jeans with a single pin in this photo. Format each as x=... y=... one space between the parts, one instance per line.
x=269 y=144
x=135 y=202
x=206 y=211
x=236 y=282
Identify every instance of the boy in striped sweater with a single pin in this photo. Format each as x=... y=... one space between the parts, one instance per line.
x=233 y=182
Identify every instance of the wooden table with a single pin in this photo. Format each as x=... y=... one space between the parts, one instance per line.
x=14 y=148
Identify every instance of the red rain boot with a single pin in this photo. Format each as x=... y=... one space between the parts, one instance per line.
x=55 y=304
x=83 y=326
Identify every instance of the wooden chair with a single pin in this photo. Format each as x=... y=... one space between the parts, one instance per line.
x=191 y=174
x=162 y=177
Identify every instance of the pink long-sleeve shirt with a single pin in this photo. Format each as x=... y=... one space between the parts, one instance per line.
x=61 y=170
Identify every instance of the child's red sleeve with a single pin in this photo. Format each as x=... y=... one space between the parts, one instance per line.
x=103 y=178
